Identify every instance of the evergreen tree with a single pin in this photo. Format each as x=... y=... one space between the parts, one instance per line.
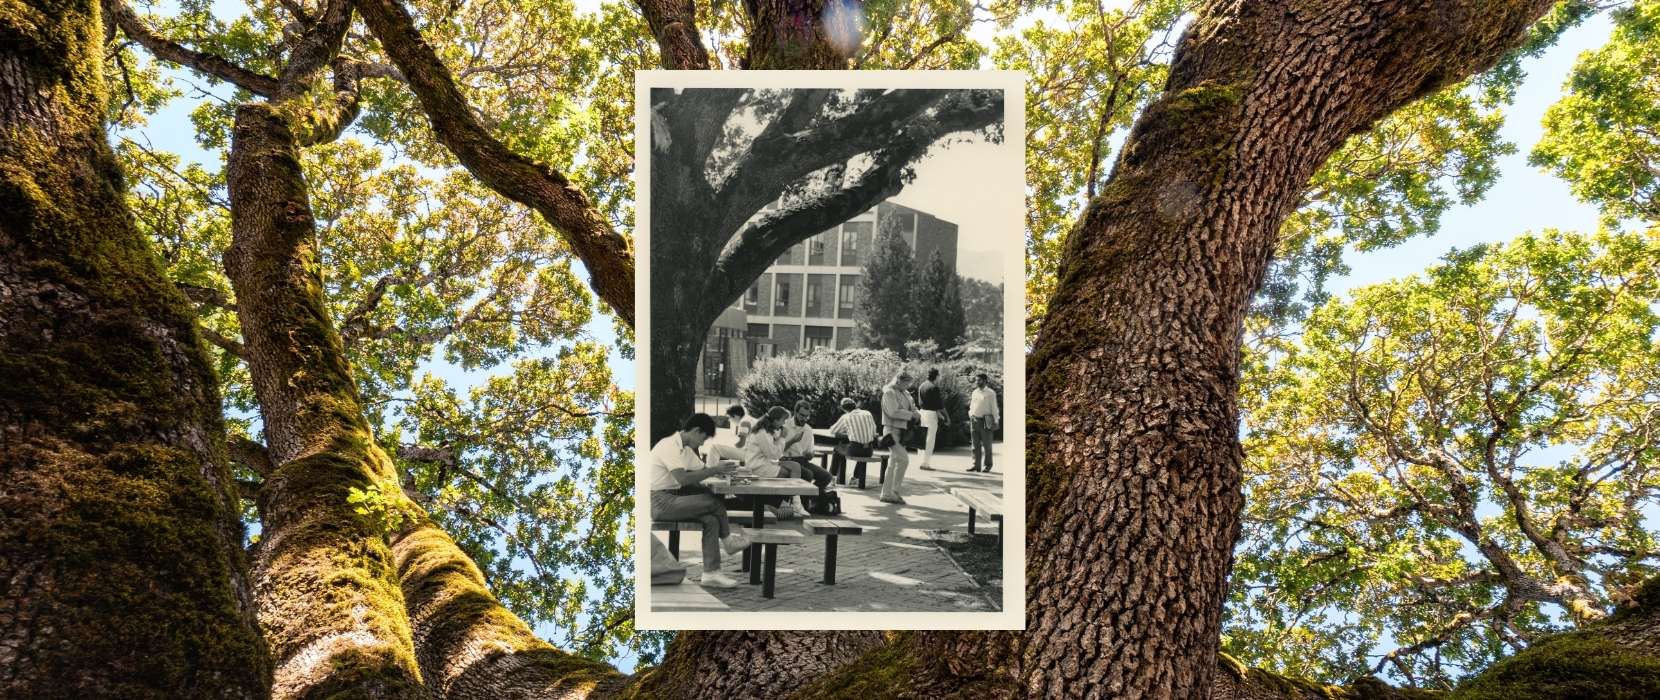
x=938 y=305
x=887 y=292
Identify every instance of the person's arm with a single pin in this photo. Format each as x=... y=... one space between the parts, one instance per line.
x=840 y=428
x=688 y=477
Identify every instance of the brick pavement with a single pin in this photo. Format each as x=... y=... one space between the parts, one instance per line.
x=893 y=566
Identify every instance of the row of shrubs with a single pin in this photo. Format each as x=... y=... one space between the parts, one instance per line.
x=825 y=376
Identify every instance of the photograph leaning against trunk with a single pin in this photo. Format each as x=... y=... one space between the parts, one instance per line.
x=831 y=284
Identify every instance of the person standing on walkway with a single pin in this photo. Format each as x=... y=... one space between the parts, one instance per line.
x=897 y=412
x=932 y=403
x=982 y=420
x=677 y=494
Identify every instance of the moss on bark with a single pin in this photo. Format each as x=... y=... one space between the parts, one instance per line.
x=120 y=551
x=468 y=645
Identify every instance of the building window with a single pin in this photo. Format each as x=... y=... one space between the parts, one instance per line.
x=782 y=297
x=812 y=296
x=816 y=249
x=817 y=337
x=753 y=296
x=846 y=293
x=852 y=232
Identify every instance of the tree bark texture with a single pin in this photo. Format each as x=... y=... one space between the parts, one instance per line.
x=797 y=35
x=674 y=24
x=753 y=665
x=605 y=253
x=329 y=596
x=121 y=564
x=1134 y=481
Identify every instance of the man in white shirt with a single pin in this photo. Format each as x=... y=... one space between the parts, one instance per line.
x=982 y=419
x=859 y=427
x=675 y=475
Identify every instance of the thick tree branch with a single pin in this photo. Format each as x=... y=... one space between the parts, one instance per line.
x=603 y=251
x=328 y=122
x=674 y=24
x=467 y=644
x=223 y=343
x=787 y=151
x=759 y=244
x=203 y=62
x=316 y=47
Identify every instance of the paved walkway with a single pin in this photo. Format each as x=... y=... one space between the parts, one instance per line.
x=893 y=566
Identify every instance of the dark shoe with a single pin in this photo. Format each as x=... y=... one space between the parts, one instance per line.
x=974 y=469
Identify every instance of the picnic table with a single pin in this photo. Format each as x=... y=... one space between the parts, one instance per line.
x=775 y=486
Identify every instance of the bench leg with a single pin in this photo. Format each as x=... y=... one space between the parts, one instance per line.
x=674 y=543
x=772 y=570
x=859 y=473
x=971 y=521
x=830 y=559
x=745 y=565
x=883 y=476
x=755 y=563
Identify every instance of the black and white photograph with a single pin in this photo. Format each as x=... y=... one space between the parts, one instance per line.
x=831 y=367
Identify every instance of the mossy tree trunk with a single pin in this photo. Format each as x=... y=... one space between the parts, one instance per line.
x=329 y=596
x=121 y=565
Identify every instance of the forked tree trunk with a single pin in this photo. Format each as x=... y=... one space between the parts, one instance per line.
x=121 y=564
x=328 y=592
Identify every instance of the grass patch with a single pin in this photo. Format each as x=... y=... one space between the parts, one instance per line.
x=980 y=557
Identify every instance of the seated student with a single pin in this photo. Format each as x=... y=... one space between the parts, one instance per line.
x=764 y=457
x=798 y=446
x=859 y=428
x=677 y=494
x=740 y=424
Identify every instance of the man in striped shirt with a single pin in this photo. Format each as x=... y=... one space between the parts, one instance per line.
x=856 y=423
x=859 y=427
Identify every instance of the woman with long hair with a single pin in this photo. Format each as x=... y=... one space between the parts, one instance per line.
x=764 y=453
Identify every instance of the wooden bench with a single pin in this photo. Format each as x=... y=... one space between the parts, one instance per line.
x=985 y=502
x=879 y=456
x=675 y=527
x=769 y=540
x=831 y=528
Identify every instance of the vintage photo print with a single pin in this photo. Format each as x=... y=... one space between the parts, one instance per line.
x=831 y=364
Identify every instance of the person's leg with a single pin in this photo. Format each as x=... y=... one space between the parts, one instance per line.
x=985 y=440
x=931 y=423
x=701 y=508
x=711 y=542
x=817 y=475
x=974 y=438
x=896 y=472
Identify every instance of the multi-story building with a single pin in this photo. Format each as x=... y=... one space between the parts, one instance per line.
x=807 y=298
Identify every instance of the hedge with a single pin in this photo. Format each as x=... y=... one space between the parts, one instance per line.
x=825 y=376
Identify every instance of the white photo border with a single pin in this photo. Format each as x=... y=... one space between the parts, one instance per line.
x=1010 y=171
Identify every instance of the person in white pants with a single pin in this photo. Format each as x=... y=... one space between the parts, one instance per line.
x=932 y=409
x=897 y=410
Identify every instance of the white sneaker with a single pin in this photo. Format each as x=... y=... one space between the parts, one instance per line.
x=716 y=579
x=736 y=542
